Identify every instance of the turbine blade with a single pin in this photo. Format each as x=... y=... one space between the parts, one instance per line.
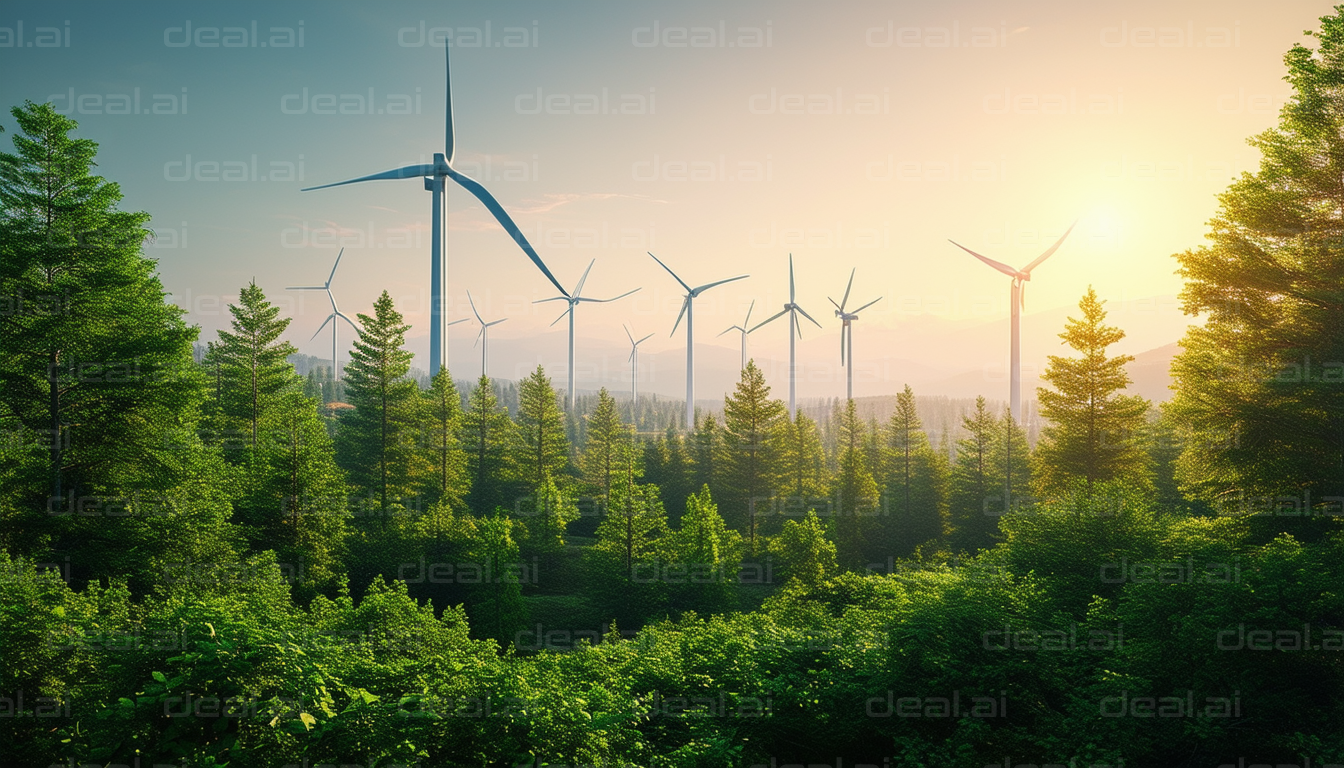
x=1004 y=268
x=473 y=308
x=725 y=330
x=790 y=278
x=455 y=322
x=478 y=337
x=306 y=288
x=553 y=298
x=604 y=301
x=502 y=216
x=769 y=320
x=627 y=333
x=568 y=309
x=865 y=306
x=497 y=322
x=646 y=338
x=684 y=304
x=838 y=308
x=797 y=326
x=673 y=274
x=341 y=315
x=407 y=172
x=1051 y=251
x=707 y=286
x=750 y=307
x=809 y=317
x=447 y=105
x=631 y=358
x=579 y=288
x=845 y=300
x=334 y=266
x=320 y=327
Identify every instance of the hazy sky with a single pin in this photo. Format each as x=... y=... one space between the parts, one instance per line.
x=721 y=136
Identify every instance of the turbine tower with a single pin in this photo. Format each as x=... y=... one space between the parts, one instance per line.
x=574 y=300
x=634 y=368
x=847 y=333
x=335 y=314
x=1015 y=302
x=435 y=175
x=792 y=310
x=483 y=338
x=687 y=307
x=743 y=329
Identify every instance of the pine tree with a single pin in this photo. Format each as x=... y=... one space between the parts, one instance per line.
x=376 y=444
x=802 y=465
x=1010 y=459
x=1095 y=433
x=855 y=493
x=253 y=363
x=914 y=502
x=972 y=485
x=440 y=439
x=607 y=439
x=749 y=465
x=703 y=448
x=805 y=552
x=542 y=448
x=488 y=439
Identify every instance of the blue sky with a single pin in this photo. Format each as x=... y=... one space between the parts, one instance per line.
x=996 y=124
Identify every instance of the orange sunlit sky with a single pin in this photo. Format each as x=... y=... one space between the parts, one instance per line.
x=726 y=136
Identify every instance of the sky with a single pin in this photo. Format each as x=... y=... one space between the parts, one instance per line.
x=723 y=137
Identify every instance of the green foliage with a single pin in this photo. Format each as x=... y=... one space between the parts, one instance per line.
x=914 y=501
x=440 y=438
x=1094 y=434
x=254 y=375
x=488 y=440
x=607 y=442
x=377 y=441
x=969 y=504
x=542 y=448
x=750 y=451
x=701 y=558
x=803 y=548
x=803 y=476
x=855 y=492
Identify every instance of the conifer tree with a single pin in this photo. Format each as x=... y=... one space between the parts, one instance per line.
x=440 y=439
x=803 y=477
x=542 y=448
x=914 y=501
x=254 y=364
x=1010 y=459
x=704 y=448
x=487 y=440
x=1095 y=432
x=972 y=481
x=607 y=440
x=749 y=463
x=855 y=495
x=376 y=444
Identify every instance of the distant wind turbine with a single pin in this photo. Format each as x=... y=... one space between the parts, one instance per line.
x=687 y=309
x=574 y=300
x=847 y=333
x=1015 y=302
x=434 y=175
x=792 y=310
x=634 y=367
x=335 y=314
x=483 y=338
x=743 y=329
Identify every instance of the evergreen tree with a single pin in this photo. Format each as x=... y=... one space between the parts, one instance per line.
x=440 y=439
x=1010 y=459
x=803 y=478
x=1258 y=395
x=1095 y=433
x=914 y=501
x=542 y=445
x=855 y=493
x=256 y=376
x=607 y=441
x=703 y=448
x=972 y=483
x=628 y=581
x=749 y=465
x=667 y=465
x=496 y=609
x=487 y=439
x=805 y=552
x=376 y=444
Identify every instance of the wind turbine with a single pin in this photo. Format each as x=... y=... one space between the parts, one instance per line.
x=792 y=310
x=482 y=338
x=847 y=333
x=743 y=329
x=435 y=175
x=1015 y=302
x=574 y=300
x=335 y=314
x=687 y=307
x=634 y=368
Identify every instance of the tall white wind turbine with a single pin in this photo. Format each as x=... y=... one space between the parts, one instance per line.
x=743 y=330
x=335 y=315
x=687 y=310
x=435 y=175
x=847 y=333
x=574 y=300
x=634 y=368
x=1015 y=302
x=792 y=310
x=483 y=338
